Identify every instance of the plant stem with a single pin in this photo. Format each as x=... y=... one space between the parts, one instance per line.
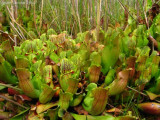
x=98 y=17
x=154 y=42
x=35 y=17
x=78 y=17
x=41 y=19
x=15 y=39
x=18 y=25
x=8 y=35
x=141 y=93
x=137 y=91
x=9 y=86
x=126 y=9
x=3 y=97
x=106 y=17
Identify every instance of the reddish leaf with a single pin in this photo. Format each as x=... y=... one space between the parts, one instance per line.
x=151 y=108
x=80 y=110
x=94 y=73
x=131 y=65
x=114 y=110
x=12 y=91
x=22 y=97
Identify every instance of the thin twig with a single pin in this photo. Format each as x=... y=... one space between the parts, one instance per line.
x=8 y=35
x=78 y=17
x=13 y=20
x=16 y=30
x=41 y=19
x=141 y=93
x=146 y=19
x=18 y=25
x=138 y=9
x=15 y=39
x=158 y=1
x=98 y=18
x=9 y=86
x=52 y=21
x=126 y=10
x=155 y=43
x=35 y=17
x=21 y=32
x=150 y=38
x=137 y=91
x=12 y=101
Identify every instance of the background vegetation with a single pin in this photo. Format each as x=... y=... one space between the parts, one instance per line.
x=73 y=16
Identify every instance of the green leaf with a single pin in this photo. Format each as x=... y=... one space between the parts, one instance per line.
x=91 y=86
x=1 y=58
x=63 y=80
x=152 y=96
x=77 y=99
x=63 y=55
x=80 y=37
x=79 y=117
x=110 y=76
x=6 y=73
x=36 y=66
x=51 y=46
x=7 y=51
x=26 y=84
x=109 y=58
x=21 y=62
x=119 y=84
x=125 y=118
x=20 y=116
x=106 y=117
x=46 y=94
x=2 y=87
x=149 y=4
x=67 y=116
x=9 y=56
x=67 y=66
x=77 y=60
x=89 y=117
x=65 y=99
x=95 y=101
x=38 y=43
x=31 y=33
x=43 y=107
x=69 y=53
x=53 y=114
x=51 y=32
x=26 y=46
x=47 y=74
x=61 y=112
x=54 y=57
x=95 y=59
x=72 y=85
x=6 y=46
x=43 y=37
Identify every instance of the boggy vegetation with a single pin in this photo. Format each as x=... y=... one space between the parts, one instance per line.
x=97 y=74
